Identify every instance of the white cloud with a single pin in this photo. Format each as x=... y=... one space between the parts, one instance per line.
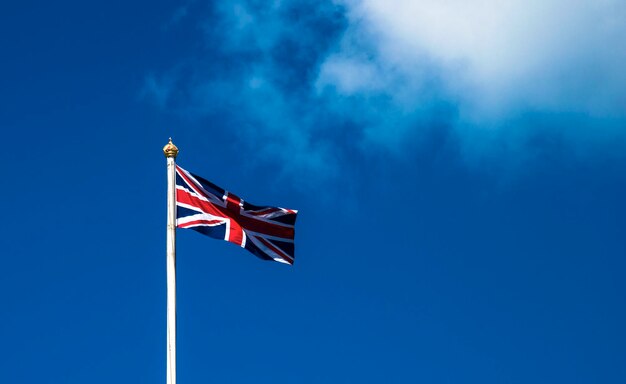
x=556 y=55
x=329 y=80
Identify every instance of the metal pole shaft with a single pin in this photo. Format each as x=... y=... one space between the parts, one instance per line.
x=171 y=265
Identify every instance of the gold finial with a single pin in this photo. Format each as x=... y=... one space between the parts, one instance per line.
x=170 y=150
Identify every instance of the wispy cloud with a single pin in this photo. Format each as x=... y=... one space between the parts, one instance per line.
x=329 y=78
x=500 y=64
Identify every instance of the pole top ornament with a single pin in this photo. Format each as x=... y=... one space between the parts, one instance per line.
x=170 y=150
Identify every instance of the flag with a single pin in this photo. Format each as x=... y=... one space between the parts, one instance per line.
x=267 y=232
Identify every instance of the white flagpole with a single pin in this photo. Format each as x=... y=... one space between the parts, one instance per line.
x=171 y=152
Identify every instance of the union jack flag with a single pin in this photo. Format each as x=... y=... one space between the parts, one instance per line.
x=267 y=232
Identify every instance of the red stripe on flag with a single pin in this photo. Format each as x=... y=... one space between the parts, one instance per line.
x=248 y=223
x=263 y=212
x=195 y=222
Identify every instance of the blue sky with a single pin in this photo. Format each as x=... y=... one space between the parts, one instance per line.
x=459 y=169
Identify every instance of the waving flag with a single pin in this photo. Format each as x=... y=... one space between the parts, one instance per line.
x=267 y=232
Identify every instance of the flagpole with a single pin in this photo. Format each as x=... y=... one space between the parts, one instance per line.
x=171 y=152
